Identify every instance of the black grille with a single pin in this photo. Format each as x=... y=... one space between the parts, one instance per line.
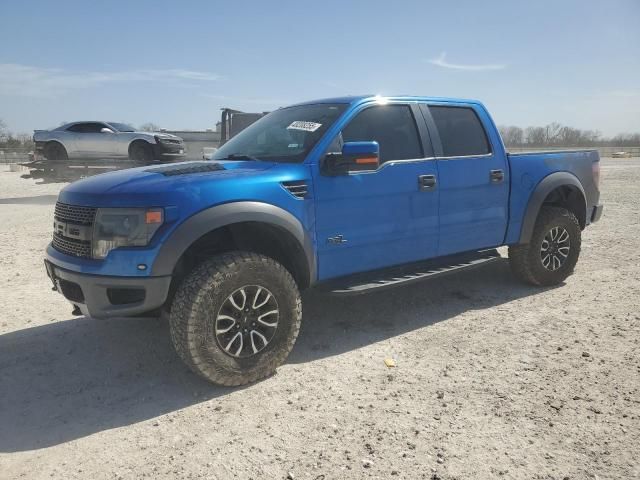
x=70 y=246
x=75 y=214
x=71 y=291
x=297 y=188
x=123 y=296
x=185 y=168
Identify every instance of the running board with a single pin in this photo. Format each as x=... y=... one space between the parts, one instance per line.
x=410 y=273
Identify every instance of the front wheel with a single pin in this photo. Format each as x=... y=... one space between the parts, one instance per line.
x=551 y=255
x=141 y=151
x=235 y=318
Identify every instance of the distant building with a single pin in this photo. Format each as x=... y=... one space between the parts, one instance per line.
x=196 y=140
x=233 y=122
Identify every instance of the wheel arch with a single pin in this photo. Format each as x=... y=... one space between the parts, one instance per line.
x=252 y=226
x=51 y=142
x=136 y=141
x=561 y=189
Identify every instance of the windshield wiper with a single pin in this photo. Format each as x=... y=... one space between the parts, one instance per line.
x=239 y=156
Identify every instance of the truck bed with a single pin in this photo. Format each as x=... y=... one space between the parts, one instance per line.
x=528 y=169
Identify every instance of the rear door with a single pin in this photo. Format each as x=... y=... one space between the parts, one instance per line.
x=368 y=220
x=473 y=178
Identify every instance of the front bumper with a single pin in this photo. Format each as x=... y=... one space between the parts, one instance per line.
x=169 y=151
x=596 y=213
x=101 y=296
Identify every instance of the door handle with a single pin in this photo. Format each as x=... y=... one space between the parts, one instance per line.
x=496 y=176
x=427 y=182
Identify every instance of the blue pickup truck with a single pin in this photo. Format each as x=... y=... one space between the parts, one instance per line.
x=355 y=194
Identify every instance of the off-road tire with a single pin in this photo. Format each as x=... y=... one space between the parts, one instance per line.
x=141 y=151
x=199 y=299
x=525 y=260
x=55 y=151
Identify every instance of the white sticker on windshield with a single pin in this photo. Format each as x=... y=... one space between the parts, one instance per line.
x=306 y=126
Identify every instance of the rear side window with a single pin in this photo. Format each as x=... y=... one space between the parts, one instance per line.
x=461 y=131
x=78 y=128
x=392 y=126
x=90 y=127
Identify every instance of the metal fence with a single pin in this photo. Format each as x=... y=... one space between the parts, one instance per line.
x=14 y=155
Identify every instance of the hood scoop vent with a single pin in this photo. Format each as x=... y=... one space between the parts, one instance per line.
x=297 y=188
x=186 y=168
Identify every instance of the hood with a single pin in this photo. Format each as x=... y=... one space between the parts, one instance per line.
x=165 y=184
x=162 y=135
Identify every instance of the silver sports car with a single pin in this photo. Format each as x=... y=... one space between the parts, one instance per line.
x=106 y=140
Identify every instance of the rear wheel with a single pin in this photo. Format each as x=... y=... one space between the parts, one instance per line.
x=55 y=151
x=551 y=255
x=141 y=152
x=235 y=318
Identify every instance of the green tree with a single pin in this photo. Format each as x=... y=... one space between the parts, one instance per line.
x=3 y=130
x=150 y=127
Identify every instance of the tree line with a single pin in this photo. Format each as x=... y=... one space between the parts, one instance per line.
x=10 y=140
x=557 y=135
x=551 y=135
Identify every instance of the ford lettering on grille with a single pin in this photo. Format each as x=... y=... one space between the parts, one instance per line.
x=70 y=230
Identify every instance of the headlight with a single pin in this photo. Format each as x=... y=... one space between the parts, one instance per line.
x=124 y=227
x=166 y=140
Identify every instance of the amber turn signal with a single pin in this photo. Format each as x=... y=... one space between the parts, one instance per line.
x=367 y=160
x=153 y=216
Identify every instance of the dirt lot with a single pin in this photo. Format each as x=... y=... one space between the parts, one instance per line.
x=493 y=380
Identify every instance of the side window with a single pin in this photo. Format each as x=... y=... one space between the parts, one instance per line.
x=94 y=127
x=77 y=128
x=461 y=131
x=392 y=126
x=90 y=127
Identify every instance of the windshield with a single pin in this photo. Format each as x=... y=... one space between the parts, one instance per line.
x=286 y=135
x=122 y=127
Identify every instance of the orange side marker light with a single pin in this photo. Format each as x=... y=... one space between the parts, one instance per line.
x=153 y=216
x=366 y=160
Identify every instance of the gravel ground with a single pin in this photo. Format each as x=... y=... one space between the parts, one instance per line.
x=493 y=379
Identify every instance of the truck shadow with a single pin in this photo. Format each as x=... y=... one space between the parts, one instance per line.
x=336 y=324
x=73 y=378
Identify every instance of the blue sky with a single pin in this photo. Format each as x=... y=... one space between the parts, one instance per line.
x=176 y=63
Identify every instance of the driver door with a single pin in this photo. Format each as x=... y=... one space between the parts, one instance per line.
x=369 y=220
x=89 y=140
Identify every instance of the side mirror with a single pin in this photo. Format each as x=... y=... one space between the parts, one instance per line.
x=355 y=157
x=106 y=130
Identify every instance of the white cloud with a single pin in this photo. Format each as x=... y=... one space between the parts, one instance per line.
x=247 y=100
x=441 y=61
x=30 y=81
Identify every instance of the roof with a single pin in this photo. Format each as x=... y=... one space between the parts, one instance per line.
x=68 y=124
x=351 y=99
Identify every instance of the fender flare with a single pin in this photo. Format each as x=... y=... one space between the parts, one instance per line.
x=227 y=214
x=544 y=188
